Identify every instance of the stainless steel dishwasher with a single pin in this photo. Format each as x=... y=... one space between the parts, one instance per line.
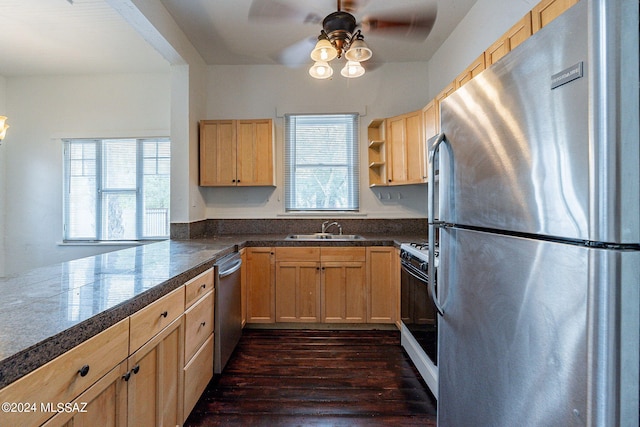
x=228 y=309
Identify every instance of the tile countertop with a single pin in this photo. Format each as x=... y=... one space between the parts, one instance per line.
x=49 y=310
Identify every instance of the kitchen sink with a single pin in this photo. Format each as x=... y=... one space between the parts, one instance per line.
x=324 y=236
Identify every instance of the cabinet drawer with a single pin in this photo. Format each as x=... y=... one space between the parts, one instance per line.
x=307 y=253
x=197 y=375
x=198 y=325
x=197 y=287
x=62 y=379
x=343 y=254
x=153 y=318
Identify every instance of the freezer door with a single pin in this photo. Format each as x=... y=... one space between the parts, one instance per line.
x=522 y=153
x=513 y=337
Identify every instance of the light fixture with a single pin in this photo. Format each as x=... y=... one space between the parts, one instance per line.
x=3 y=127
x=338 y=36
x=359 y=51
x=321 y=70
x=324 y=50
x=352 y=69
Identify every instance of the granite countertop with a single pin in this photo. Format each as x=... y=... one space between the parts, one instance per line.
x=49 y=310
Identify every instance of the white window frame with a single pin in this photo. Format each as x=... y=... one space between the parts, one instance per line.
x=351 y=162
x=101 y=189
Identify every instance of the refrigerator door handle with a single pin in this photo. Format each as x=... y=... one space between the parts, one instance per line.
x=433 y=222
x=439 y=139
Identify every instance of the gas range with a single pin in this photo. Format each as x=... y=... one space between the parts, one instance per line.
x=417 y=250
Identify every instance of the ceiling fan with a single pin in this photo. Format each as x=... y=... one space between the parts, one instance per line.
x=342 y=34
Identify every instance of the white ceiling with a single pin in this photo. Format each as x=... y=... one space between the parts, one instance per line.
x=43 y=37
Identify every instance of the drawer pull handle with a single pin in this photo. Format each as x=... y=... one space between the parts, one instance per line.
x=84 y=371
x=203 y=323
x=164 y=314
x=204 y=285
x=135 y=369
x=127 y=376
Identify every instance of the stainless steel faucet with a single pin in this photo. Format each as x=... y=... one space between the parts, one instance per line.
x=328 y=224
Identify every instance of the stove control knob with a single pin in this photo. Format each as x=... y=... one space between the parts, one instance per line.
x=424 y=265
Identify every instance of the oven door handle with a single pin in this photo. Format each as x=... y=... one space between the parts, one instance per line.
x=410 y=272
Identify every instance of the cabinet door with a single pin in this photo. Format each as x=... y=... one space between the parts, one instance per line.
x=509 y=41
x=217 y=152
x=548 y=10
x=472 y=70
x=405 y=149
x=197 y=373
x=260 y=271
x=429 y=120
x=383 y=284
x=254 y=141
x=451 y=87
x=155 y=388
x=297 y=291
x=415 y=149
x=103 y=404
x=343 y=292
x=396 y=150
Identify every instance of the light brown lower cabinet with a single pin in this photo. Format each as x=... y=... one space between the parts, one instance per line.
x=344 y=278
x=297 y=284
x=328 y=285
x=154 y=383
x=143 y=390
x=261 y=294
x=297 y=291
x=383 y=282
x=131 y=374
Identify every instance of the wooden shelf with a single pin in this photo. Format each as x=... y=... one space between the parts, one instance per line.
x=377 y=153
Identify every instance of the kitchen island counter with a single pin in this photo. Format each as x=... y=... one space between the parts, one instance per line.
x=49 y=310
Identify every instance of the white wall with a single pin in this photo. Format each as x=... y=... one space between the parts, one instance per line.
x=271 y=91
x=3 y=112
x=44 y=109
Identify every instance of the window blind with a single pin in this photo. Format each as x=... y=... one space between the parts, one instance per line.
x=321 y=162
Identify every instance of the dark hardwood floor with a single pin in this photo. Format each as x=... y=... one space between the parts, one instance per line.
x=316 y=378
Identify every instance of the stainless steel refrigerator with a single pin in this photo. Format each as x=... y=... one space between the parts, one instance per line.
x=539 y=230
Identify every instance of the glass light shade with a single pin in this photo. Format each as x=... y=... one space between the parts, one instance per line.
x=324 y=51
x=321 y=70
x=3 y=127
x=352 y=69
x=359 y=51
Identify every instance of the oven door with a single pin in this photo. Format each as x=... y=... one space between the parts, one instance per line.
x=418 y=311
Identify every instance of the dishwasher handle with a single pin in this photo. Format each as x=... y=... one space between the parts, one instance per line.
x=230 y=268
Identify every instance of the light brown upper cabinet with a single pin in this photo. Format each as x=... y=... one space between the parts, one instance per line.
x=430 y=121
x=472 y=70
x=236 y=153
x=406 y=162
x=448 y=90
x=547 y=10
x=509 y=40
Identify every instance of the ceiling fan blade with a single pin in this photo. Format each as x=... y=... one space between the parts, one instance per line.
x=296 y=55
x=277 y=11
x=413 y=25
x=352 y=6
